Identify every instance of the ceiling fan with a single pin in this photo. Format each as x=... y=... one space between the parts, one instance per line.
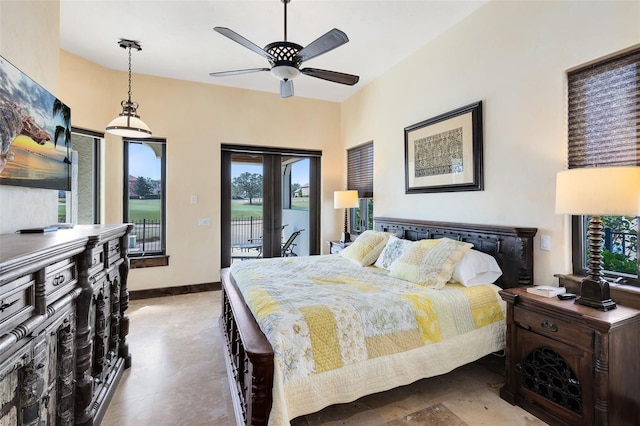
x=286 y=58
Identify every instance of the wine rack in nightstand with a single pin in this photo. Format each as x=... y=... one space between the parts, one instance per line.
x=571 y=364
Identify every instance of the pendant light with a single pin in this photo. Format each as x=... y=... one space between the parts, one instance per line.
x=128 y=123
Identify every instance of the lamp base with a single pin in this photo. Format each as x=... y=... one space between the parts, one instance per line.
x=595 y=294
x=345 y=237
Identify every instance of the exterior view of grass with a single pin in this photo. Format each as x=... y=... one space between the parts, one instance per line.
x=241 y=209
x=144 y=209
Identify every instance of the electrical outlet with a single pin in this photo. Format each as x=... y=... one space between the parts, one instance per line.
x=545 y=242
x=204 y=221
x=194 y=199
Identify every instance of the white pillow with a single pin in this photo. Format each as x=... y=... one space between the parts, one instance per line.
x=476 y=268
x=394 y=248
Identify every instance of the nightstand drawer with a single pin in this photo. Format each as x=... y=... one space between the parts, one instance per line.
x=554 y=328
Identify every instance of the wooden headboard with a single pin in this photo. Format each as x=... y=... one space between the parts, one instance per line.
x=512 y=247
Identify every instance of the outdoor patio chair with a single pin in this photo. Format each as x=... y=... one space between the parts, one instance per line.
x=287 y=247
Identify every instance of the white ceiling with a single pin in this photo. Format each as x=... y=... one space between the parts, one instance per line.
x=178 y=40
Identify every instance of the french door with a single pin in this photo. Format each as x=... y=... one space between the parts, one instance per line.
x=270 y=201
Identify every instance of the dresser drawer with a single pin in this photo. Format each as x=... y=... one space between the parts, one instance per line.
x=113 y=251
x=548 y=325
x=17 y=302
x=60 y=277
x=97 y=260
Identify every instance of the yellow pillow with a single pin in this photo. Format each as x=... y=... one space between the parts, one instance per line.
x=366 y=248
x=429 y=262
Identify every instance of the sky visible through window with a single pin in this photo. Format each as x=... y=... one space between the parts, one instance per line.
x=299 y=175
x=143 y=162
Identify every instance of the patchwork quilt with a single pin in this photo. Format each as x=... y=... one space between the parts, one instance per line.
x=322 y=314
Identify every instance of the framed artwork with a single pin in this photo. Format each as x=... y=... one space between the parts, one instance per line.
x=35 y=133
x=444 y=153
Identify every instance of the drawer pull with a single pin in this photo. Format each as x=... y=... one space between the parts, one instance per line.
x=5 y=306
x=59 y=279
x=549 y=325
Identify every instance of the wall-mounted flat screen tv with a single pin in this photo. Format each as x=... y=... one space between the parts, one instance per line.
x=35 y=133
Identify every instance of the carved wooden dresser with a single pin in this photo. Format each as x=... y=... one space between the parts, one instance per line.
x=63 y=328
x=571 y=364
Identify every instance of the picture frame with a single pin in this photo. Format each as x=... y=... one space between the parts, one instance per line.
x=35 y=133
x=444 y=153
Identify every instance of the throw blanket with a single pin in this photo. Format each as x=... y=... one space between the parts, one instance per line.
x=322 y=313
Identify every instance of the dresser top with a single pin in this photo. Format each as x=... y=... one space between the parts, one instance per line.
x=18 y=248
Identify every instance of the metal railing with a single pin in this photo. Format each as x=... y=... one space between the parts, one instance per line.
x=621 y=242
x=246 y=230
x=145 y=237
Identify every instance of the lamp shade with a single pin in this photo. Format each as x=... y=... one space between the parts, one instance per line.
x=599 y=191
x=345 y=199
x=129 y=127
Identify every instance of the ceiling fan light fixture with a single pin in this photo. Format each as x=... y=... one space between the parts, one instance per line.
x=285 y=72
x=128 y=123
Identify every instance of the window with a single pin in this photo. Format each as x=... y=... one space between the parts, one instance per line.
x=81 y=205
x=360 y=178
x=602 y=118
x=144 y=200
x=86 y=146
x=295 y=183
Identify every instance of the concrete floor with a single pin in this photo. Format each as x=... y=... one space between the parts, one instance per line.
x=178 y=377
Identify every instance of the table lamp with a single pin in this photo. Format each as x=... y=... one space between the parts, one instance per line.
x=345 y=200
x=598 y=191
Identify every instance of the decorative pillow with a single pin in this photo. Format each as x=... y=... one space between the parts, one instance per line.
x=394 y=248
x=476 y=268
x=366 y=248
x=429 y=262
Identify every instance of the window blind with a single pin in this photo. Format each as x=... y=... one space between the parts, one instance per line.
x=360 y=169
x=604 y=113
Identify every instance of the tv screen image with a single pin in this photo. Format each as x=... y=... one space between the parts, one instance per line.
x=35 y=133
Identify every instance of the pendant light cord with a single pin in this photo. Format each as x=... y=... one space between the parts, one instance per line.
x=129 y=74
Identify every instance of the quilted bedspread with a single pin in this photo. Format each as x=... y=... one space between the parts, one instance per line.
x=322 y=314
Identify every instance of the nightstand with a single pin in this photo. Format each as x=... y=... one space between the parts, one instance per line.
x=335 y=247
x=571 y=364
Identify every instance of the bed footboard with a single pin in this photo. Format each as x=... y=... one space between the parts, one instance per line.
x=248 y=356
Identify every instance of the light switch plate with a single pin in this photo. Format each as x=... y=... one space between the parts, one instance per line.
x=545 y=242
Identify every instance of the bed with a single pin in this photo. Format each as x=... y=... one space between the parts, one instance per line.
x=266 y=389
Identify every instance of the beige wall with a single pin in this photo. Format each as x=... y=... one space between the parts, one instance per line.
x=195 y=119
x=513 y=56
x=33 y=49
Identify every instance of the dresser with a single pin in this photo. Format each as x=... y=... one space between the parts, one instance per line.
x=63 y=326
x=572 y=364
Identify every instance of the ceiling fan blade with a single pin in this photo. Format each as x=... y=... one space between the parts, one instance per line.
x=243 y=41
x=336 y=77
x=237 y=72
x=323 y=44
x=286 y=88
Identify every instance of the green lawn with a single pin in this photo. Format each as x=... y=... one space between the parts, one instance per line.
x=144 y=209
x=241 y=209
